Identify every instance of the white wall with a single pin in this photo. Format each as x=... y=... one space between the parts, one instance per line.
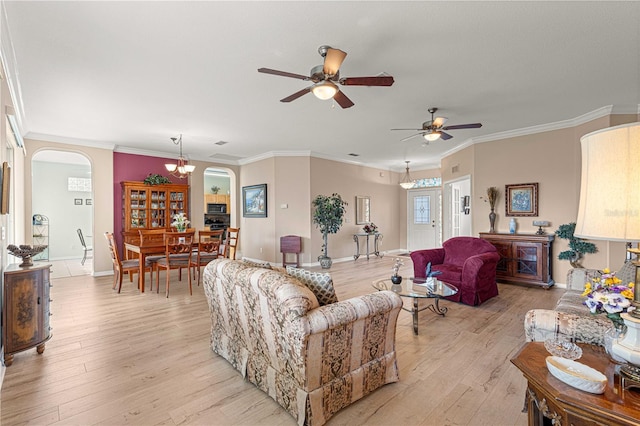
x=52 y=198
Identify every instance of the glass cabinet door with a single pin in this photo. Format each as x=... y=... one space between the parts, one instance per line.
x=158 y=209
x=138 y=200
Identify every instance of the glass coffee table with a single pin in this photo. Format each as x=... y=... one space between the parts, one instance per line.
x=416 y=289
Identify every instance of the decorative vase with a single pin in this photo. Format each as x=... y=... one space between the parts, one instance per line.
x=612 y=335
x=492 y=221
x=396 y=279
x=325 y=262
x=512 y=225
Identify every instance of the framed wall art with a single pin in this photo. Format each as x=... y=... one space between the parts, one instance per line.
x=254 y=200
x=77 y=201
x=522 y=199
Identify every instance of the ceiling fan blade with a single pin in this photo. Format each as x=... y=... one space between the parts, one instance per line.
x=439 y=121
x=283 y=73
x=412 y=136
x=297 y=95
x=383 y=80
x=464 y=126
x=333 y=60
x=445 y=136
x=342 y=100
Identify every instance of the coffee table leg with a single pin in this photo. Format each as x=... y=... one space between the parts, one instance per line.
x=437 y=309
x=415 y=315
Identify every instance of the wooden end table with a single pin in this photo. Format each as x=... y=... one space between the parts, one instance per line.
x=551 y=401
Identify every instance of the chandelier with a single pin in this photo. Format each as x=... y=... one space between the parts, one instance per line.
x=181 y=169
x=407 y=182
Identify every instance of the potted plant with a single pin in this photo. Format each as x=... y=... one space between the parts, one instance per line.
x=577 y=246
x=328 y=214
x=215 y=189
x=156 y=179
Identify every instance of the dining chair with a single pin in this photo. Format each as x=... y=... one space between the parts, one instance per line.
x=84 y=246
x=152 y=236
x=231 y=243
x=178 y=252
x=207 y=249
x=121 y=266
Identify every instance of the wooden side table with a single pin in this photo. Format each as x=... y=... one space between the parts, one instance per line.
x=291 y=244
x=561 y=404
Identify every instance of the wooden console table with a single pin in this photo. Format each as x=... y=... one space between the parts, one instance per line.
x=524 y=258
x=551 y=401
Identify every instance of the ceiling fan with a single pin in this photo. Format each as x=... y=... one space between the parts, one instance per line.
x=432 y=130
x=325 y=77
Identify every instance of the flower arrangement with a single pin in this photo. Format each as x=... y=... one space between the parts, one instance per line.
x=180 y=222
x=607 y=294
x=370 y=228
x=396 y=266
x=492 y=196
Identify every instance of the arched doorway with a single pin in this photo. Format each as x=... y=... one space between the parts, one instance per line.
x=62 y=192
x=217 y=198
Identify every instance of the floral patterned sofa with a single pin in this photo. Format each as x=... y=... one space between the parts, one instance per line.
x=571 y=318
x=312 y=360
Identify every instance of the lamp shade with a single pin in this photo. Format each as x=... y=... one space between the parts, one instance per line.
x=324 y=90
x=609 y=206
x=432 y=136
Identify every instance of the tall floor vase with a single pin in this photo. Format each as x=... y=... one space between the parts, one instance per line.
x=492 y=221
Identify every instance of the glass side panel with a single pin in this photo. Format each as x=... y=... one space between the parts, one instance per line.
x=527 y=260
x=422 y=209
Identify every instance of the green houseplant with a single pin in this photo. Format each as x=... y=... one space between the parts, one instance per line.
x=577 y=246
x=155 y=179
x=327 y=215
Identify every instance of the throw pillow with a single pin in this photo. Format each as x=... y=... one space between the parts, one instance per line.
x=319 y=283
x=248 y=262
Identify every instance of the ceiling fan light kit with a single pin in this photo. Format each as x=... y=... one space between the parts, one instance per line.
x=433 y=136
x=432 y=130
x=324 y=90
x=323 y=76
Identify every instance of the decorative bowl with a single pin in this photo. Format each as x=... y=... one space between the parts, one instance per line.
x=563 y=348
x=575 y=374
x=25 y=252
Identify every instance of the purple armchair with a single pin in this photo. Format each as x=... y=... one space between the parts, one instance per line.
x=466 y=262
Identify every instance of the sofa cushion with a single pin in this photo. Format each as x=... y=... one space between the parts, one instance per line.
x=451 y=274
x=251 y=263
x=319 y=283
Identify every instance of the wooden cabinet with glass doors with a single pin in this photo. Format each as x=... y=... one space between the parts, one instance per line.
x=151 y=207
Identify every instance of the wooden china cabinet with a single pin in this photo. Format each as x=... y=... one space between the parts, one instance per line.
x=151 y=207
x=524 y=258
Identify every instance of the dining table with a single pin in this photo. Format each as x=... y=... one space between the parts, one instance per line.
x=148 y=248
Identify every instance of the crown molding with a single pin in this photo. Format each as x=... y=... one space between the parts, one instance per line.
x=558 y=125
x=69 y=141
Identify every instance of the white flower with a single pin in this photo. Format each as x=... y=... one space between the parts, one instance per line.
x=180 y=221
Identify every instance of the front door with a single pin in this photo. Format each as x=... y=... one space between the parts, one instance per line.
x=423 y=219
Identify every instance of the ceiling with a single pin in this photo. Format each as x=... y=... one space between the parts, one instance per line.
x=134 y=74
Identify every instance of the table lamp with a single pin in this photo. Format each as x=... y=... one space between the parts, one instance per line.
x=609 y=210
x=541 y=224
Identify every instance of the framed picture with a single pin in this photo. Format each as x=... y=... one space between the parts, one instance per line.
x=254 y=200
x=6 y=188
x=77 y=201
x=88 y=202
x=522 y=199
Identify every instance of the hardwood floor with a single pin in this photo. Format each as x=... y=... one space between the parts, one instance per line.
x=142 y=359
